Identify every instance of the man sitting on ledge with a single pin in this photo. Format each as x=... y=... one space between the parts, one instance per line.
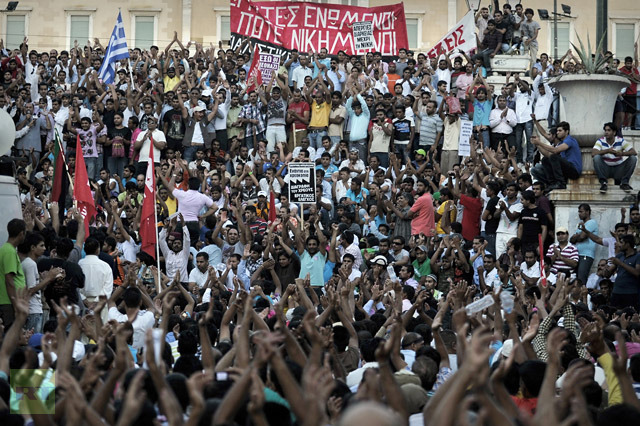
x=561 y=161
x=613 y=157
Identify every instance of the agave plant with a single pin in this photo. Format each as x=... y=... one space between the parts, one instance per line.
x=592 y=62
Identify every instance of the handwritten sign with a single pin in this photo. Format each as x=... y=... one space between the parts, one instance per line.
x=466 y=130
x=268 y=64
x=363 y=36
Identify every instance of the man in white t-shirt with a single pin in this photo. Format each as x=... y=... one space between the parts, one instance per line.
x=141 y=320
x=200 y=274
x=142 y=144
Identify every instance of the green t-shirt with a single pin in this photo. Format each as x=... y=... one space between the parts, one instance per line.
x=10 y=263
x=421 y=270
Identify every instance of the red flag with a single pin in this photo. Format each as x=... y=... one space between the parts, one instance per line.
x=254 y=78
x=148 y=226
x=542 y=273
x=82 y=190
x=272 y=207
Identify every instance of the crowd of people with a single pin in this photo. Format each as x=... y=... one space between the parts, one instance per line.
x=421 y=288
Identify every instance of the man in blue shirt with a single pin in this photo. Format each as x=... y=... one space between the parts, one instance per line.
x=586 y=247
x=359 y=119
x=560 y=162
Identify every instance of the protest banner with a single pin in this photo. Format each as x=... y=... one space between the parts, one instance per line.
x=268 y=65
x=302 y=183
x=363 y=36
x=466 y=130
x=279 y=26
x=462 y=36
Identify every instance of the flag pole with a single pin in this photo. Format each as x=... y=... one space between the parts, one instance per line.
x=155 y=215
x=57 y=140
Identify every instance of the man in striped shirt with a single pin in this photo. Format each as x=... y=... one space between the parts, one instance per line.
x=614 y=157
x=563 y=254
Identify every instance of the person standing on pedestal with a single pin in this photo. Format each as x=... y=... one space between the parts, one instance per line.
x=614 y=157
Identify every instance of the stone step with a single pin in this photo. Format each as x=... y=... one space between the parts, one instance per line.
x=584 y=192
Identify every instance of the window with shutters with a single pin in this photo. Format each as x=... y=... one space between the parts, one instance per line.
x=79 y=29
x=15 y=30
x=145 y=31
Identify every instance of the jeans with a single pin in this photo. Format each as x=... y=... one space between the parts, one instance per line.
x=485 y=136
x=496 y=138
x=506 y=48
x=248 y=140
x=485 y=55
x=116 y=165
x=584 y=266
x=491 y=243
x=34 y=321
x=528 y=129
x=620 y=173
x=401 y=151
x=190 y=153
x=92 y=166
x=554 y=169
x=361 y=146
x=335 y=140
x=383 y=157
x=315 y=138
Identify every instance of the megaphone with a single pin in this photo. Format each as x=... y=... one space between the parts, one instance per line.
x=7 y=132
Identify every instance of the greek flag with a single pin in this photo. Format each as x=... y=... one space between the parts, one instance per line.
x=116 y=50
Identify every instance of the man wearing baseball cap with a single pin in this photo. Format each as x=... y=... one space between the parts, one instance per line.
x=563 y=254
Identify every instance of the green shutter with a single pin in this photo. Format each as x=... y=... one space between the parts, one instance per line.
x=624 y=41
x=15 y=31
x=144 y=31
x=412 y=32
x=225 y=28
x=79 y=29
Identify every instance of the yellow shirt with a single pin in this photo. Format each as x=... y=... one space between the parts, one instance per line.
x=320 y=114
x=615 y=393
x=170 y=83
x=172 y=205
x=440 y=211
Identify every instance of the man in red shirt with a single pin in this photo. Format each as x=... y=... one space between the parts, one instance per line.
x=298 y=117
x=422 y=213
x=631 y=102
x=471 y=214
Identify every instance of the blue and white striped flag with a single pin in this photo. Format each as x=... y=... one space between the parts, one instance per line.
x=116 y=50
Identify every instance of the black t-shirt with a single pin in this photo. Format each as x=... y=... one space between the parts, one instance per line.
x=107 y=118
x=124 y=133
x=175 y=129
x=532 y=221
x=73 y=280
x=491 y=225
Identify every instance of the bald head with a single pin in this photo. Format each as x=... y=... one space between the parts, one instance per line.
x=369 y=414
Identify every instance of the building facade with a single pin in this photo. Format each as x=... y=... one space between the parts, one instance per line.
x=57 y=25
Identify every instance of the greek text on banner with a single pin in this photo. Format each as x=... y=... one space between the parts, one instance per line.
x=461 y=36
x=311 y=26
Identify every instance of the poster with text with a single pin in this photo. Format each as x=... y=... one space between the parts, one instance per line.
x=466 y=130
x=302 y=183
x=363 y=36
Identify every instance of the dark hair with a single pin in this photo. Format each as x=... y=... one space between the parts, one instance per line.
x=611 y=125
x=30 y=240
x=564 y=126
x=91 y=246
x=15 y=227
x=368 y=348
x=532 y=375
x=132 y=297
x=194 y=183
x=64 y=247
x=529 y=196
